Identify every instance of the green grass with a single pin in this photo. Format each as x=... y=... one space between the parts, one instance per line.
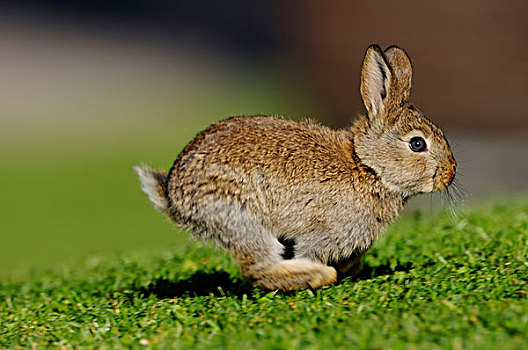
x=428 y=283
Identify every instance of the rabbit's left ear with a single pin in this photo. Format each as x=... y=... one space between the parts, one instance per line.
x=401 y=67
x=376 y=81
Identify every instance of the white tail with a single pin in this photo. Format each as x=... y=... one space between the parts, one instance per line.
x=153 y=184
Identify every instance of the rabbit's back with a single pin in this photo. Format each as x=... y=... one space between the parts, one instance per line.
x=232 y=156
x=291 y=150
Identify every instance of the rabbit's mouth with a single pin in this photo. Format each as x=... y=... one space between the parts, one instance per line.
x=444 y=176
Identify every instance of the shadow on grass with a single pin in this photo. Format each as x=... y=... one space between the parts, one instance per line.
x=369 y=272
x=199 y=284
x=221 y=283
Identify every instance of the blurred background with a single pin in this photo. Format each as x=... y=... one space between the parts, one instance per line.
x=88 y=89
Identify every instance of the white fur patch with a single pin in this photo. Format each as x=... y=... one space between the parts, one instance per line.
x=150 y=185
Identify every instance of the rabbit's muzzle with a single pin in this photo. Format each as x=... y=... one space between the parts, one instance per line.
x=444 y=174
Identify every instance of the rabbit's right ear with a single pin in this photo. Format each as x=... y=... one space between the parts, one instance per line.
x=376 y=78
x=401 y=66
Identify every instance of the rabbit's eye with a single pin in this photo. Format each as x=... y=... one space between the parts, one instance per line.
x=417 y=144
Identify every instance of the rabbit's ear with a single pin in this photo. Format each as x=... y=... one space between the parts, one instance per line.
x=402 y=69
x=376 y=79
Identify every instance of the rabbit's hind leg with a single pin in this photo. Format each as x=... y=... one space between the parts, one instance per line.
x=297 y=274
x=263 y=263
x=261 y=258
x=256 y=248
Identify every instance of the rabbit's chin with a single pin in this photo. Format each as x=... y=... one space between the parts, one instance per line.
x=408 y=192
x=440 y=186
x=435 y=185
x=432 y=185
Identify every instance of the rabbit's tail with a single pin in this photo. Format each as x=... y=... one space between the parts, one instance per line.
x=153 y=183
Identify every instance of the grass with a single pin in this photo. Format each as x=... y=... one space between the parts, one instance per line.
x=428 y=283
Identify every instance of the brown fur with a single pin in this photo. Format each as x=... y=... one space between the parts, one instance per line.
x=247 y=182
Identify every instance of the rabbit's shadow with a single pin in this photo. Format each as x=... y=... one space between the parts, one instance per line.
x=368 y=272
x=201 y=283
x=221 y=283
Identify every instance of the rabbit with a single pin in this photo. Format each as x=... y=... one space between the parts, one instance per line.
x=296 y=203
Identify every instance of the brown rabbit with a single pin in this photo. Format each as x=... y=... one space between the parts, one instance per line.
x=294 y=201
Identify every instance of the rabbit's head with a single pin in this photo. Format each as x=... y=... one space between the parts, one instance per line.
x=407 y=150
